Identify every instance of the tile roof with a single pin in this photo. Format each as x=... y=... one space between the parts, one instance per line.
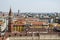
x=19 y=22
x=37 y=23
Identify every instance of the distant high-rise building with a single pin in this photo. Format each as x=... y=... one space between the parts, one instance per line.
x=18 y=13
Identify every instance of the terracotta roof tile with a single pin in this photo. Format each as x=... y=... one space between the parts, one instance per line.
x=37 y=23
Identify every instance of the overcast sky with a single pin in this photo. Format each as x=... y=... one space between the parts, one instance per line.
x=30 y=5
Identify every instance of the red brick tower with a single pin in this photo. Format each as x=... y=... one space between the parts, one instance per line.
x=9 y=20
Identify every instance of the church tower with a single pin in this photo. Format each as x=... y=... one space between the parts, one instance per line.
x=10 y=20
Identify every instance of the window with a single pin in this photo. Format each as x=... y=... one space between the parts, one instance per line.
x=9 y=35
x=18 y=28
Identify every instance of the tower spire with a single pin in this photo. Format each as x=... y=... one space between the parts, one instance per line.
x=9 y=20
x=10 y=12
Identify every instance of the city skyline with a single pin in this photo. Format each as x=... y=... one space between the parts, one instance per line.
x=30 y=5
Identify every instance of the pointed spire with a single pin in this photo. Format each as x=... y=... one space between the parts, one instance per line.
x=10 y=12
x=10 y=20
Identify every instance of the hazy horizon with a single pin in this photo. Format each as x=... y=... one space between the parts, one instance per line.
x=30 y=5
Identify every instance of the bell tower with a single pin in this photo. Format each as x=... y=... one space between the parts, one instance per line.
x=9 y=20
